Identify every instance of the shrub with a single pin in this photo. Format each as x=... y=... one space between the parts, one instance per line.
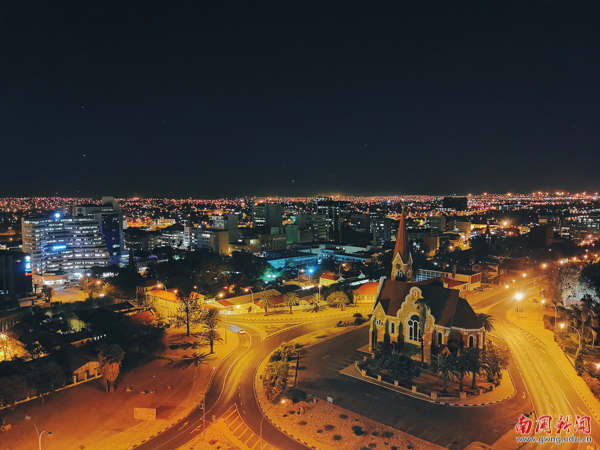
x=375 y=433
x=329 y=427
x=372 y=445
x=343 y=416
x=302 y=423
x=387 y=434
x=593 y=384
x=212 y=442
x=337 y=437
x=358 y=431
x=295 y=395
x=359 y=321
x=319 y=431
x=358 y=315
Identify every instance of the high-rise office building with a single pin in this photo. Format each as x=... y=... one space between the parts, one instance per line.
x=110 y=218
x=15 y=275
x=268 y=217
x=68 y=244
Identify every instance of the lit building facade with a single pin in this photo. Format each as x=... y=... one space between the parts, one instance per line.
x=110 y=217
x=68 y=244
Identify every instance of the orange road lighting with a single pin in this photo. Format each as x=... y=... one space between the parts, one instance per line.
x=519 y=296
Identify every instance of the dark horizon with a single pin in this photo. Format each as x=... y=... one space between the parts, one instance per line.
x=229 y=100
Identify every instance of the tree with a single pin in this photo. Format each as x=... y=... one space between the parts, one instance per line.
x=48 y=293
x=474 y=363
x=110 y=358
x=494 y=362
x=402 y=368
x=12 y=389
x=487 y=320
x=266 y=302
x=90 y=285
x=189 y=310
x=211 y=319
x=314 y=300
x=291 y=299
x=275 y=378
x=7 y=347
x=44 y=376
x=338 y=299
x=461 y=366
x=444 y=365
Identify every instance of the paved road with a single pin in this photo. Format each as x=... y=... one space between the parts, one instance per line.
x=537 y=377
x=540 y=383
x=447 y=426
x=547 y=383
x=234 y=384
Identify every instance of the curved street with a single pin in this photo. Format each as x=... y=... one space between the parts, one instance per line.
x=541 y=385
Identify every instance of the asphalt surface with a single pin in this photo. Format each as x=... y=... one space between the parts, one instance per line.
x=447 y=426
x=540 y=383
x=548 y=385
x=234 y=385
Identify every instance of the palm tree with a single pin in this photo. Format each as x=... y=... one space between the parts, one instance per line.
x=314 y=300
x=110 y=357
x=48 y=293
x=211 y=319
x=267 y=302
x=291 y=299
x=338 y=299
x=487 y=321
x=474 y=363
x=444 y=365
x=461 y=367
x=212 y=335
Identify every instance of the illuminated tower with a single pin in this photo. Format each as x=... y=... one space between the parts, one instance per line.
x=402 y=259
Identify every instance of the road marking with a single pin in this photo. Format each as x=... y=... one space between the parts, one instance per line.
x=325 y=357
x=552 y=405
x=372 y=396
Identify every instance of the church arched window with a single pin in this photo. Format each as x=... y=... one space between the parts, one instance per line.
x=413 y=328
x=393 y=328
x=440 y=338
x=471 y=341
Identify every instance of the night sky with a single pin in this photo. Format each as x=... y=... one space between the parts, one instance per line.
x=211 y=99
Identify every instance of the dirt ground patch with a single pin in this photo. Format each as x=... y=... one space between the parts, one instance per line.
x=336 y=427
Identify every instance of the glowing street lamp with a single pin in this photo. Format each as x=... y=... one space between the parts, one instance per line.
x=562 y=325
x=38 y=432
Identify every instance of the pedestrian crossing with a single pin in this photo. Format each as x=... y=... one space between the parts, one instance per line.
x=236 y=425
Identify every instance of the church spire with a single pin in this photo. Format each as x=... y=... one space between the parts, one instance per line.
x=401 y=259
x=401 y=239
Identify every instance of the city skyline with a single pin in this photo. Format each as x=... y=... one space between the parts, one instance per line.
x=208 y=100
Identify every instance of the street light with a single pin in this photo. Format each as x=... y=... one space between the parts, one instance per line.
x=38 y=432
x=518 y=297
x=340 y=270
x=263 y=418
x=562 y=325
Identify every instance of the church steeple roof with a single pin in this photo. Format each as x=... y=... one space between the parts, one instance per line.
x=401 y=240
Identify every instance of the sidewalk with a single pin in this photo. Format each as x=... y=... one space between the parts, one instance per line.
x=86 y=417
x=531 y=321
x=325 y=312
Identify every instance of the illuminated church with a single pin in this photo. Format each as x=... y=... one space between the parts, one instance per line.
x=450 y=321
